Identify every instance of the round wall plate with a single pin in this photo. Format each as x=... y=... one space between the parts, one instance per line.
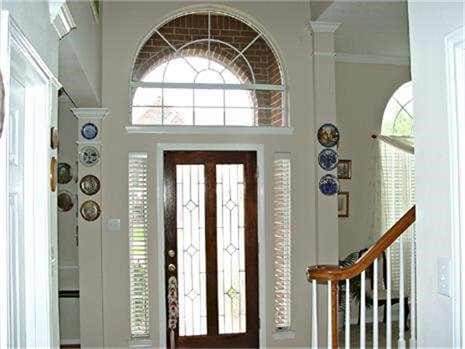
x=64 y=173
x=89 y=185
x=89 y=131
x=328 y=159
x=65 y=201
x=89 y=156
x=328 y=135
x=90 y=210
x=329 y=185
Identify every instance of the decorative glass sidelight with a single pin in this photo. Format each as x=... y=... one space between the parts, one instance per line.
x=231 y=248
x=190 y=210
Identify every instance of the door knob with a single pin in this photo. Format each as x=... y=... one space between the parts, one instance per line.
x=172 y=268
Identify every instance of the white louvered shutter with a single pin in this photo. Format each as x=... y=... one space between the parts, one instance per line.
x=138 y=246
x=282 y=240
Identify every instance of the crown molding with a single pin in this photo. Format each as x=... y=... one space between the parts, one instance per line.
x=372 y=59
x=323 y=27
x=90 y=113
x=63 y=21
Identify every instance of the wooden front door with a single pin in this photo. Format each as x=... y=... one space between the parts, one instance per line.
x=211 y=249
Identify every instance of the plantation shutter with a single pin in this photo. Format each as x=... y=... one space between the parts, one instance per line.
x=138 y=246
x=282 y=240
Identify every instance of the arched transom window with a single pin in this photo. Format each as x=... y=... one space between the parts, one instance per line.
x=207 y=69
x=398 y=115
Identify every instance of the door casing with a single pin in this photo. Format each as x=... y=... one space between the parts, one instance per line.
x=160 y=238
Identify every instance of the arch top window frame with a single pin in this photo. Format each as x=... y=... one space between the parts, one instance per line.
x=399 y=110
x=238 y=65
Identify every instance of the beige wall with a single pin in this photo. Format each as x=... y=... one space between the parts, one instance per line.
x=120 y=43
x=362 y=91
x=68 y=261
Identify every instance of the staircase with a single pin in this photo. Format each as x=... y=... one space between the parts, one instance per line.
x=334 y=277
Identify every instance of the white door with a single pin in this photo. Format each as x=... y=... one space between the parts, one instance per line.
x=29 y=303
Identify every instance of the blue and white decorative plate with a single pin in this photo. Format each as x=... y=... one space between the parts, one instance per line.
x=328 y=159
x=328 y=135
x=89 y=131
x=329 y=185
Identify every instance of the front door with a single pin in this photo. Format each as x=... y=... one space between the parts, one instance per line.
x=211 y=249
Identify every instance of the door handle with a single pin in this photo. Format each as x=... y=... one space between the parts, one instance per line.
x=173 y=311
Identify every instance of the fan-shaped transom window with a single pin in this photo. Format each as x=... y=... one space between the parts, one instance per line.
x=398 y=115
x=207 y=69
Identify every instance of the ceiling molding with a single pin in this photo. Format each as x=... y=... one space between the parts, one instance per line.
x=372 y=59
x=63 y=21
x=323 y=27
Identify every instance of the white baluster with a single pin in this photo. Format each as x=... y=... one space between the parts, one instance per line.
x=388 y=300
x=413 y=303
x=314 y=317
x=375 y=304
x=401 y=341
x=362 y=311
x=347 y=317
x=330 y=337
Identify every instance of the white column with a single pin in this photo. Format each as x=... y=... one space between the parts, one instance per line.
x=324 y=96
x=90 y=238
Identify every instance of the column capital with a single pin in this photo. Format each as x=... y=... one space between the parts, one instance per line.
x=322 y=27
x=90 y=113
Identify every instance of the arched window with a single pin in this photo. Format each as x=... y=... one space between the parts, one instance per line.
x=398 y=115
x=207 y=69
x=398 y=174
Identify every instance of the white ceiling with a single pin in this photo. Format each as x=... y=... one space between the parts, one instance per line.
x=375 y=27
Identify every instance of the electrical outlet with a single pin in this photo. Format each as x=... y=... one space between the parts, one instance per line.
x=444 y=276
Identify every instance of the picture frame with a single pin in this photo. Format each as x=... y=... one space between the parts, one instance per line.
x=344 y=169
x=343 y=204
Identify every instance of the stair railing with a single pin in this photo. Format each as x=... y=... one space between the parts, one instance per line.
x=332 y=275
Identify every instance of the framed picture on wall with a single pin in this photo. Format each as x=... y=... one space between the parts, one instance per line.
x=343 y=204
x=344 y=169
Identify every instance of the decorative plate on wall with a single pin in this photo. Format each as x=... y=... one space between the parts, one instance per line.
x=328 y=135
x=89 y=185
x=64 y=173
x=89 y=156
x=328 y=159
x=329 y=185
x=90 y=210
x=65 y=201
x=89 y=131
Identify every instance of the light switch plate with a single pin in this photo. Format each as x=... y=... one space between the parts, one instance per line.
x=444 y=276
x=114 y=224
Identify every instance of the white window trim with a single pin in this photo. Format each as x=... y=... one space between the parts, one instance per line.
x=222 y=130
x=160 y=238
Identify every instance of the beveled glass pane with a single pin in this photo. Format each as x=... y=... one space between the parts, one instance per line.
x=190 y=225
x=230 y=248
x=178 y=97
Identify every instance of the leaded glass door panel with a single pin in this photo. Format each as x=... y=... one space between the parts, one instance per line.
x=211 y=252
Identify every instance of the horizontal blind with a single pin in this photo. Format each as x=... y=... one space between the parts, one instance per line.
x=282 y=240
x=138 y=246
x=398 y=196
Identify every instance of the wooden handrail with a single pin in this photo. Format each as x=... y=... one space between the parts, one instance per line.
x=336 y=273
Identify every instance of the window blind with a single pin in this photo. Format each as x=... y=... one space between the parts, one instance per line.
x=282 y=240
x=398 y=195
x=138 y=246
